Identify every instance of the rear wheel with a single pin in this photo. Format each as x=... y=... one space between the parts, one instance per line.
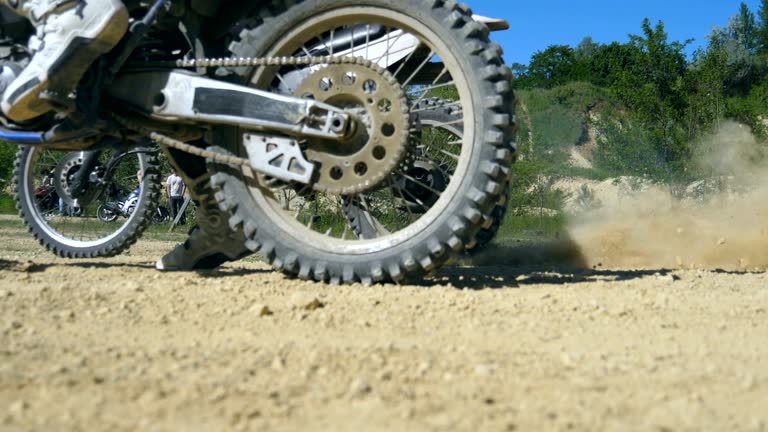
x=161 y=215
x=304 y=230
x=105 y=214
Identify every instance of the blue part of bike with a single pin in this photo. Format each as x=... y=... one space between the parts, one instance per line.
x=21 y=137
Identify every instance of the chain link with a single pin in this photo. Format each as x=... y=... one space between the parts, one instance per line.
x=280 y=61
x=165 y=140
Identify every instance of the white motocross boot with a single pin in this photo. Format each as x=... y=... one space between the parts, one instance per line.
x=71 y=34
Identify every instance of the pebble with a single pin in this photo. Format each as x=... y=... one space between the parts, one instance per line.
x=749 y=383
x=64 y=314
x=278 y=363
x=666 y=278
x=385 y=375
x=314 y=305
x=18 y=407
x=484 y=370
x=359 y=388
x=261 y=310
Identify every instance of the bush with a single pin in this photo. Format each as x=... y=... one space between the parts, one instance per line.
x=7 y=204
x=625 y=148
x=7 y=156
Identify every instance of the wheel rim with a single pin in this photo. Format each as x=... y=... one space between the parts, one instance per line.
x=84 y=230
x=325 y=225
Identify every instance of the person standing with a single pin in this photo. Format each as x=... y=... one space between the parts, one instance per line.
x=174 y=191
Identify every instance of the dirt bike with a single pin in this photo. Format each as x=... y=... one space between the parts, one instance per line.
x=47 y=200
x=308 y=118
x=124 y=206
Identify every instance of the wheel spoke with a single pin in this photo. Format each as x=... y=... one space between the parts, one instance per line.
x=450 y=105
x=418 y=69
x=377 y=226
x=450 y=123
x=282 y=80
x=434 y=85
x=394 y=186
x=404 y=63
x=424 y=91
x=389 y=46
x=333 y=40
x=418 y=182
x=367 y=39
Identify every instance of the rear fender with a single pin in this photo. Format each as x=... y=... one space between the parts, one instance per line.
x=494 y=24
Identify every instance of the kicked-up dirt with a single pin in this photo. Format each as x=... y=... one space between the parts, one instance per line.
x=113 y=345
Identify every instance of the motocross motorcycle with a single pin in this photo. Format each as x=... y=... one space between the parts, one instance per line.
x=308 y=121
x=47 y=200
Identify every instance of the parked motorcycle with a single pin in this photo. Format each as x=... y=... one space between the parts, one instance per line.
x=124 y=207
x=309 y=118
x=47 y=200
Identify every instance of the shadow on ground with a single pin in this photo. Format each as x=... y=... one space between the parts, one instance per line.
x=557 y=262
x=32 y=267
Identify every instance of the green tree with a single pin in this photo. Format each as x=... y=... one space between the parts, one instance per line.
x=653 y=88
x=762 y=28
x=745 y=28
x=610 y=61
x=740 y=42
x=7 y=156
x=586 y=49
x=520 y=72
x=552 y=67
x=705 y=90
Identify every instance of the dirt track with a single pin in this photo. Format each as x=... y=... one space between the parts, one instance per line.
x=113 y=345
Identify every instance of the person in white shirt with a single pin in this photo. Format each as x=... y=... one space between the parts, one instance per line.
x=174 y=191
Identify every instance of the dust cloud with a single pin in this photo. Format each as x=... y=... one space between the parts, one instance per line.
x=717 y=223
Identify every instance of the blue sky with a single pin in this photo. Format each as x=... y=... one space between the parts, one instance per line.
x=538 y=24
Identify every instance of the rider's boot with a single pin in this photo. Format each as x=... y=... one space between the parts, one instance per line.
x=211 y=242
x=71 y=34
x=8 y=73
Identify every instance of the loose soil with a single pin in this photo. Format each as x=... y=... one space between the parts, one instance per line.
x=113 y=345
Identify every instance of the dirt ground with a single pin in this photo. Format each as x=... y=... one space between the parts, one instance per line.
x=112 y=345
